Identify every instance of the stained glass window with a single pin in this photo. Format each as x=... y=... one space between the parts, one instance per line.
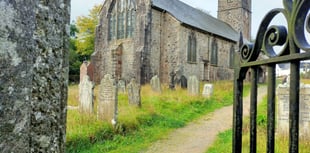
x=121 y=23
x=191 y=49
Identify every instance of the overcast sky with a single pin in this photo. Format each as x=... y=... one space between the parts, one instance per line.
x=259 y=8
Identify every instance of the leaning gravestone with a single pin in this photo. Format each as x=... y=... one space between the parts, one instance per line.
x=86 y=96
x=133 y=90
x=155 y=84
x=34 y=46
x=107 y=106
x=193 y=85
x=207 y=90
x=283 y=110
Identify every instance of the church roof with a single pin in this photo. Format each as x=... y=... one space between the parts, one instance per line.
x=196 y=18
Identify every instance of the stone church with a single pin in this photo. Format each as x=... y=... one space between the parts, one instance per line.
x=142 y=38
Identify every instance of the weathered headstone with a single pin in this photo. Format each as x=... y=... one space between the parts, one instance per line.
x=83 y=70
x=183 y=82
x=34 y=46
x=107 y=106
x=134 y=93
x=86 y=96
x=207 y=90
x=155 y=84
x=283 y=110
x=121 y=86
x=193 y=85
x=172 y=80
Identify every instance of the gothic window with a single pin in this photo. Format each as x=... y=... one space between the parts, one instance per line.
x=191 y=49
x=214 y=51
x=231 y=57
x=121 y=19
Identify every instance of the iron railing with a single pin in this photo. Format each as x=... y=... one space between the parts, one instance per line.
x=295 y=48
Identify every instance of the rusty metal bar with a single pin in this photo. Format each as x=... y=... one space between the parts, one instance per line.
x=237 y=116
x=294 y=106
x=271 y=107
x=253 y=110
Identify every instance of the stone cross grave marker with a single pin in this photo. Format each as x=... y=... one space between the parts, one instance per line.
x=155 y=84
x=193 y=85
x=283 y=110
x=133 y=90
x=86 y=96
x=107 y=106
x=207 y=90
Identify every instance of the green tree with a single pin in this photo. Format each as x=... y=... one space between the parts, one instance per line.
x=86 y=26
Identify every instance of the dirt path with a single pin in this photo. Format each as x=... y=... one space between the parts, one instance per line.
x=197 y=136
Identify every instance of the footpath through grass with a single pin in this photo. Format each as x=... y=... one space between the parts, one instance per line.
x=138 y=128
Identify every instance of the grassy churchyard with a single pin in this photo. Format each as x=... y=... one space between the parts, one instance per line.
x=138 y=128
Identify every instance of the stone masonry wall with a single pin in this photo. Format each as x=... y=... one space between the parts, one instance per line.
x=169 y=50
x=34 y=75
x=237 y=14
x=136 y=51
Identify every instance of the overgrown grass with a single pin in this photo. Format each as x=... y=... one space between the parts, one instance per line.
x=223 y=144
x=139 y=127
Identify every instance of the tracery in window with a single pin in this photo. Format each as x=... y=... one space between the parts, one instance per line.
x=191 y=49
x=214 y=51
x=122 y=19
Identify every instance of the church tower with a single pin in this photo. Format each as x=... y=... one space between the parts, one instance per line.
x=237 y=13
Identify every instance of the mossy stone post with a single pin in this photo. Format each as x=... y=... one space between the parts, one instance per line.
x=34 y=39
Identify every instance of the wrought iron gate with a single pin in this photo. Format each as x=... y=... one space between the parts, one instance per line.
x=295 y=48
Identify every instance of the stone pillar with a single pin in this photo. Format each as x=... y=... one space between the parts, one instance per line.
x=34 y=46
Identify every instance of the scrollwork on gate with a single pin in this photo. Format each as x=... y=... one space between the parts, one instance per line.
x=296 y=13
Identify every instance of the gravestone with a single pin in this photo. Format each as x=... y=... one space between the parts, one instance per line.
x=107 y=106
x=86 y=96
x=193 y=85
x=172 y=80
x=207 y=90
x=34 y=47
x=183 y=82
x=283 y=110
x=155 y=84
x=133 y=90
x=83 y=70
x=121 y=86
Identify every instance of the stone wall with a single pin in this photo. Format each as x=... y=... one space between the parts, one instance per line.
x=135 y=51
x=169 y=50
x=34 y=75
x=158 y=48
x=237 y=13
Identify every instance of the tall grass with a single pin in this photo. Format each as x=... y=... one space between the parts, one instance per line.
x=139 y=127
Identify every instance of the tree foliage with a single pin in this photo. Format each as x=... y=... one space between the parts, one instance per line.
x=86 y=26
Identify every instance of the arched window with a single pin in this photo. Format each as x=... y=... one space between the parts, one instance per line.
x=191 y=49
x=214 y=51
x=231 y=56
x=121 y=17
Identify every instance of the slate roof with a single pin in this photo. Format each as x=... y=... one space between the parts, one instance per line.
x=196 y=18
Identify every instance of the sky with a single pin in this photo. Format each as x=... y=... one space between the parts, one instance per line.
x=259 y=9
